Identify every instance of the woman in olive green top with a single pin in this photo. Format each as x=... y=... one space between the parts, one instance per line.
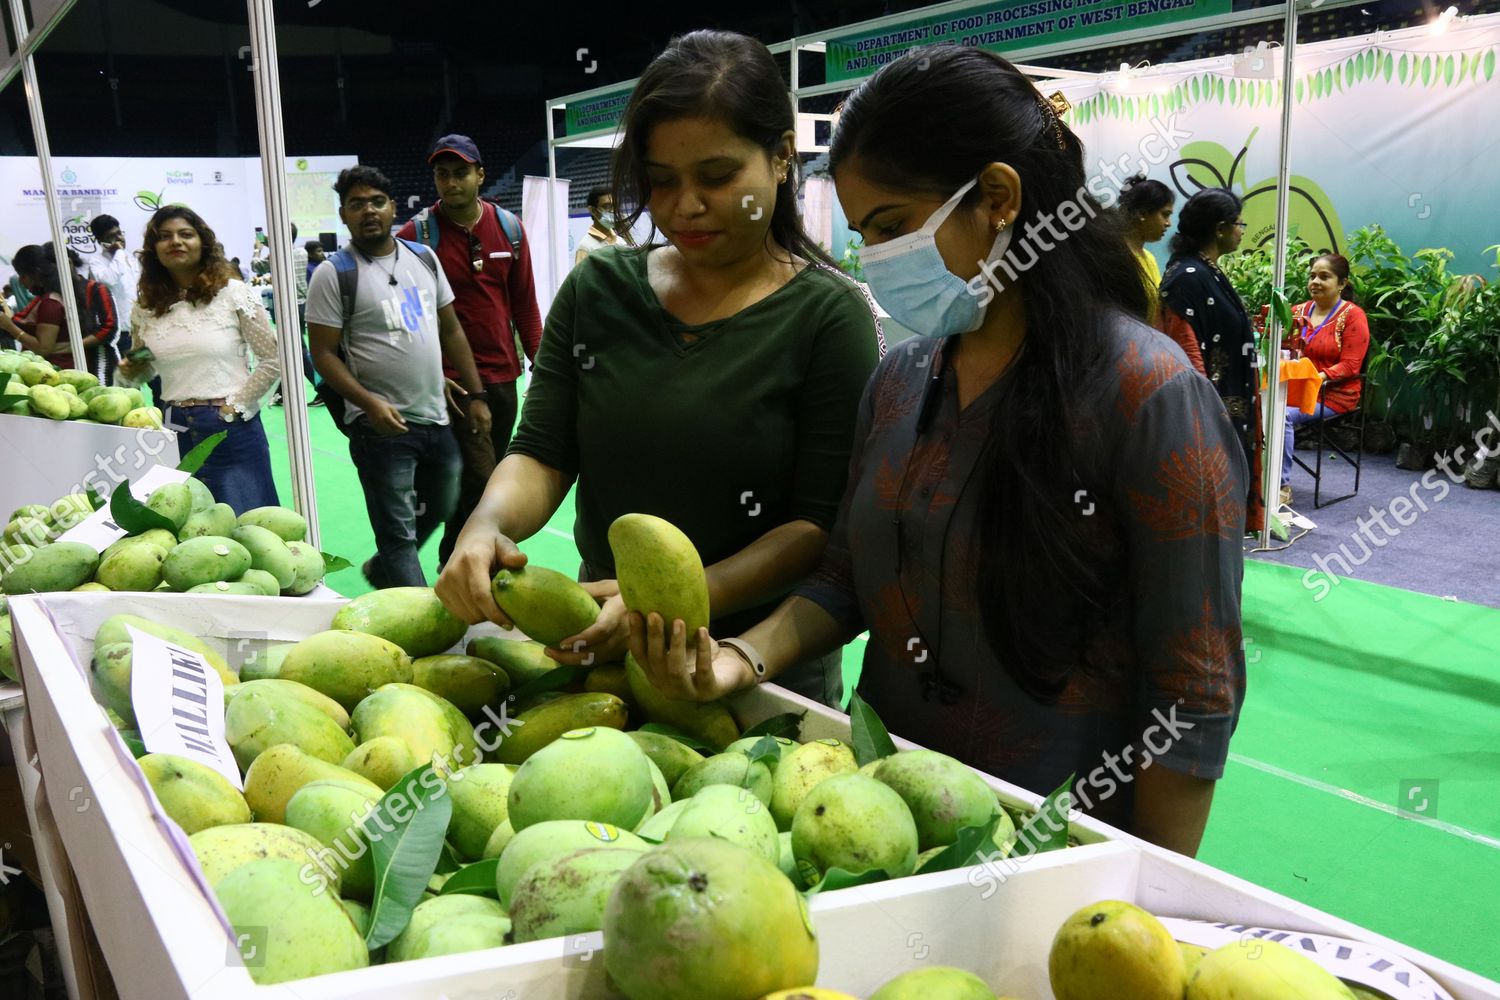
x=712 y=380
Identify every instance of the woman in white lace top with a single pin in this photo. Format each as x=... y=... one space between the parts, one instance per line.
x=212 y=343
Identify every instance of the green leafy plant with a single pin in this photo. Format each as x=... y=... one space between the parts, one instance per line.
x=850 y=261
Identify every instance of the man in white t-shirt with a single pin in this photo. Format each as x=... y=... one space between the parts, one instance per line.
x=118 y=270
x=380 y=343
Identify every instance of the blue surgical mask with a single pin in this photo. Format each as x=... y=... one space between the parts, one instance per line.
x=607 y=220
x=908 y=278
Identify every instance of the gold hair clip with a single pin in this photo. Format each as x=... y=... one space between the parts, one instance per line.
x=1054 y=108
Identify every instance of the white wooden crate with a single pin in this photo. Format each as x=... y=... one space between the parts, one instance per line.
x=163 y=937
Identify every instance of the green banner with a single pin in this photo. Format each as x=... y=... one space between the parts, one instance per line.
x=1007 y=25
x=595 y=113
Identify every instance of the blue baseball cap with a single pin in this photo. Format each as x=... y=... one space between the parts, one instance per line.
x=459 y=145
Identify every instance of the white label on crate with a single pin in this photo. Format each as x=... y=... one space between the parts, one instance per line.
x=179 y=703
x=99 y=531
x=1350 y=960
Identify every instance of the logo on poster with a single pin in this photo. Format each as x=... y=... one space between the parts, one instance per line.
x=68 y=176
x=179 y=177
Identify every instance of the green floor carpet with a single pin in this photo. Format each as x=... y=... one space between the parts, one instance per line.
x=1351 y=700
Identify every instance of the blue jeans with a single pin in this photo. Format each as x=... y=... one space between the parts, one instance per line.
x=1295 y=416
x=411 y=485
x=239 y=470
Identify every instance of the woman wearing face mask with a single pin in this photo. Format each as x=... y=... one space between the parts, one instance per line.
x=710 y=380
x=1331 y=330
x=1042 y=526
x=202 y=326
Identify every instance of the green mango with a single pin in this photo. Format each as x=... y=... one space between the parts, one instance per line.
x=672 y=756
x=202 y=498
x=383 y=760
x=479 y=800
x=159 y=537
x=59 y=566
x=555 y=839
x=255 y=721
x=173 y=502
x=217 y=520
x=194 y=795
x=729 y=813
x=32 y=510
x=134 y=567
x=853 y=822
x=299 y=932
x=26 y=530
x=78 y=380
x=7 y=657
x=595 y=773
x=107 y=406
x=468 y=682
x=333 y=811
x=265 y=661
x=291 y=689
x=659 y=569
x=565 y=896
x=499 y=840
x=944 y=795
x=149 y=417
x=726 y=769
x=708 y=721
x=406 y=713
x=228 y=587
x=288 y=524
x=411 y=617
x=538 y=727
x=77 y=408
x=467 y=932
x=260 y=582
x=1116 y=949
x=522 y=660
x=222 y=849
x=268 y=553
x=49 y=402
x=206 y=559
x=429 y=913
x=346 y=666
x=938 y=981
x=309 y=569
x=801 y=771
x=548 y=606
x=276 y=775
x=68 y=512
x=113 y=630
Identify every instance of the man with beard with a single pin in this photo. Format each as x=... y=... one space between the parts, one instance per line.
x=381 y=320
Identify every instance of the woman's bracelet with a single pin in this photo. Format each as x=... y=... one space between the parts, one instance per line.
x=752 y=658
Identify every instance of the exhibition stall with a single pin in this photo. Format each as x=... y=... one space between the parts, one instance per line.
x=367 y=706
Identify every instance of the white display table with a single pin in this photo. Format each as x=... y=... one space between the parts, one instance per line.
x=47 y=459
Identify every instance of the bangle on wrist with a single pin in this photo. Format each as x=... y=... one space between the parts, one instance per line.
x=753 y=658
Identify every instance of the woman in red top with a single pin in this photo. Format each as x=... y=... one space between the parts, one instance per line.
x=42 y=326
x=1332 y=331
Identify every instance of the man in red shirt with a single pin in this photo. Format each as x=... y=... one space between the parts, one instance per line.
x=483 y=251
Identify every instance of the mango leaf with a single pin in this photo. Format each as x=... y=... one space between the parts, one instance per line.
x=1047 y=828
x=662 y=729
x=1282 y=309
x=193 y=460
x=448 y=862
x=133 y=741
x=134 y=516
x=870 y=738
x=405 y=831
x=836 y=878
x=765 y=747
x=332 y=564
x=650 y=840
x=972 y=846
x=559 y=676
x=788 y=724
x=477 y=879
x=10 y=399
x=95 y=500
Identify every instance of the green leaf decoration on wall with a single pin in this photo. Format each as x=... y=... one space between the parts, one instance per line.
x=1372 y=60
x=1219 y=86
x=1299 y=91
x=1404 y=69
x=1489 y=65
x=1448 y=66
x=1426 y=70
x=1390 y=66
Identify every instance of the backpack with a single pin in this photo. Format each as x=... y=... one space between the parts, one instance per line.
x=428 y=231
x=346 y=269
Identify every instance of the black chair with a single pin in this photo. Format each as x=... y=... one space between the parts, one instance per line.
x=1336 y=419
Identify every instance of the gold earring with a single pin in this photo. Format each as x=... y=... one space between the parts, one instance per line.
x=999 y=226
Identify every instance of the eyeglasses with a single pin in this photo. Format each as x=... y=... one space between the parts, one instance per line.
x=378 y=203
x=476 y=252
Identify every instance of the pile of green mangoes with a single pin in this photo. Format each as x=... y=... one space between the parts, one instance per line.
x=44 y=390
x=260 y=552
x=582 y=823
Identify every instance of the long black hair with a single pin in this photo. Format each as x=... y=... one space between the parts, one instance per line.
x=42 y=262
x=723 y=76
x=1140 y=195
x=1198 y=222
x=930 y=122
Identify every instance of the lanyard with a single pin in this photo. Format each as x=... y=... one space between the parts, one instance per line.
x=1310 y=307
